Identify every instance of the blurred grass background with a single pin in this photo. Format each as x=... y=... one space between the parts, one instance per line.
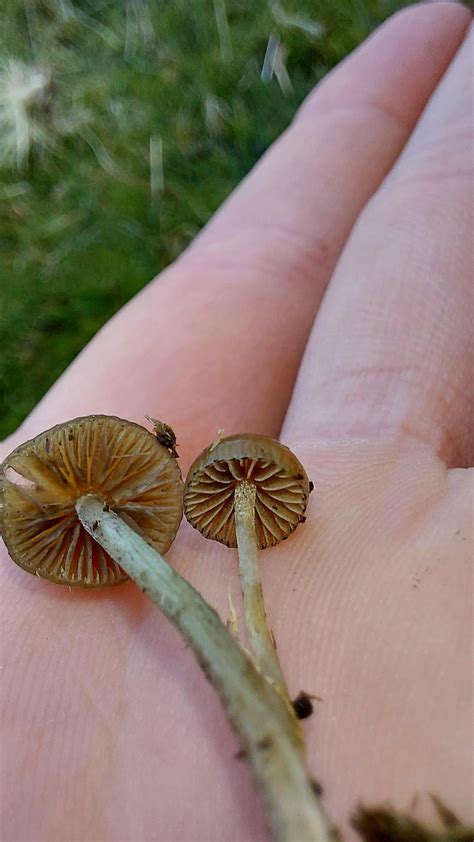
x=123 y=126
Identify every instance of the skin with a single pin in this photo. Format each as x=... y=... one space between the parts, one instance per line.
x=110 y=732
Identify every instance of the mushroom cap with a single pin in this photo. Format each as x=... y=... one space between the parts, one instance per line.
x=43 y=478
x=282 y=488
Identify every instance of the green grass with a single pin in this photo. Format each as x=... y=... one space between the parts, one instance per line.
x=83 y=224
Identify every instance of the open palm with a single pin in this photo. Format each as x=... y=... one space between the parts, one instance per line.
x=110 y=730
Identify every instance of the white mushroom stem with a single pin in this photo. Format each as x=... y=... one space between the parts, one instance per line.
x=257 y=713
x=260 y=637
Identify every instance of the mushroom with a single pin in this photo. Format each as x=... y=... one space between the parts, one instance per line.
x=41 y=481
x=93 y=500
x=250 y=492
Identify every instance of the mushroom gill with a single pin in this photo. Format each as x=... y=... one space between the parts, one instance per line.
x=281 y=484
x=42 y=479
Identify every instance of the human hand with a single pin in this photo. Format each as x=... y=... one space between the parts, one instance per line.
x=110 y=731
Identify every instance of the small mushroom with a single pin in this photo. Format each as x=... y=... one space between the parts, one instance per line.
x=250 y=492
x=41 y=481
x=236 y=462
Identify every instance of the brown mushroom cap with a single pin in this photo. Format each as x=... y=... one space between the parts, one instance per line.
x=43 y=478
x=282 y=488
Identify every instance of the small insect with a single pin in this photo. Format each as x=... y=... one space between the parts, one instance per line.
x=302 y=705
x=165 y=435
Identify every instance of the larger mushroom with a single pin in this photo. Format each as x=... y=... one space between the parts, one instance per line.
x=250 y=492
x=42 y=480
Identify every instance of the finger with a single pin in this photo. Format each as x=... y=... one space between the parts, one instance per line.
x=216 y=340
x=391 y=349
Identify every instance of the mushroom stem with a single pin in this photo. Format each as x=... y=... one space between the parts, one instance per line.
x=257 y=713
x=260 y=637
